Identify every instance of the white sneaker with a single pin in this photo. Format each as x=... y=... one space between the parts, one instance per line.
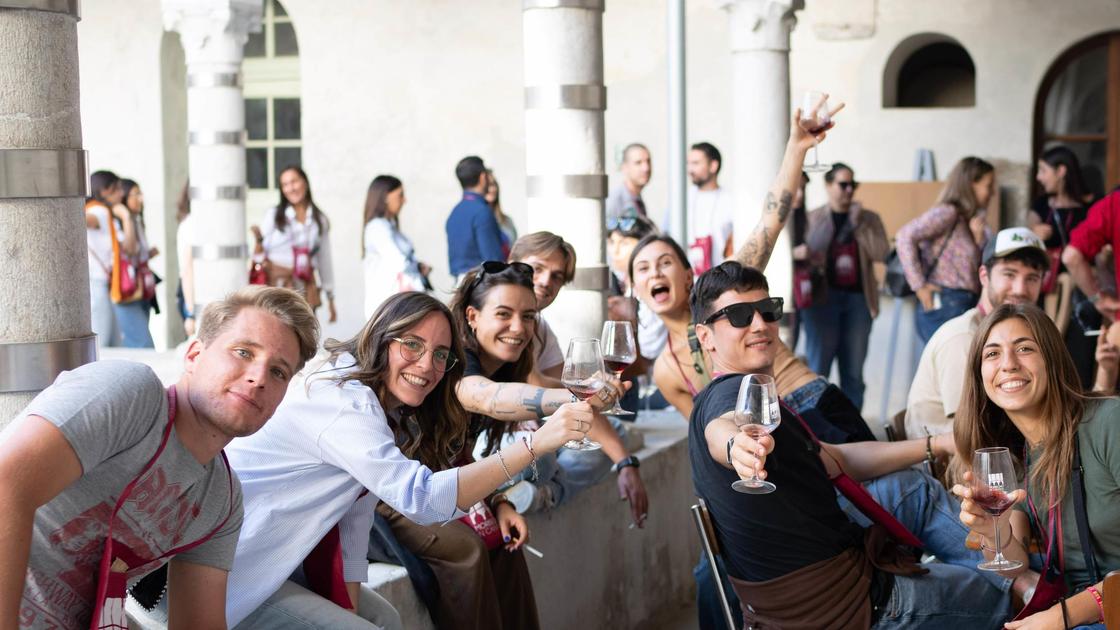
x=528 y=497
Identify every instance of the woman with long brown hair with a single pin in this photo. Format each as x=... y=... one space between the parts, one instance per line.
x=378 y=420
x=1022 y=392
x=940 y=250
x=388 y=257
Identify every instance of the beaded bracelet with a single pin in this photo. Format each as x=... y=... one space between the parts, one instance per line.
x=1100 y=602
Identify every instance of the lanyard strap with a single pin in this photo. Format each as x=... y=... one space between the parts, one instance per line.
x=172 y=401
x=1081 y=517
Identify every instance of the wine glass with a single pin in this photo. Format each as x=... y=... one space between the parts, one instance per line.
x=757 y=413
x=814 y=119
x=619 y=351
x=583 y=376
x=993 y=482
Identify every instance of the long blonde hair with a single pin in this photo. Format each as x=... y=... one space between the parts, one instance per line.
x=981 y=423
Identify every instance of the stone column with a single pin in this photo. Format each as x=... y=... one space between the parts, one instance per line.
x=564 y=103
x=44 y=277
x=213 y=33
x=760 y=101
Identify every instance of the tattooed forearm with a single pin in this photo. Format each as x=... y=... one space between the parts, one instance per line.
x=771 y=205
x=756 y=251
x=535 y=404
x=783 y=205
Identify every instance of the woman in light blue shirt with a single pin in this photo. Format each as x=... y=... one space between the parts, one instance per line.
x=329 y=454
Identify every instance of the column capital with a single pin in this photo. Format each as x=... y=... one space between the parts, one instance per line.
x=201 y=22
x=761 y=24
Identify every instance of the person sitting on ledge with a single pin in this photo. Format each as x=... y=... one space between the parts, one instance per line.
x=349 y=435
x=107 y=468
x=795 y=558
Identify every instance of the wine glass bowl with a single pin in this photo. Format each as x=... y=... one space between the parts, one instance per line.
x=619 y=351
x=814 y=119
x=994 y=480
x=583 y=376
x=757 y=413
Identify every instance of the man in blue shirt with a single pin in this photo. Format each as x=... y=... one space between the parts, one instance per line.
x=473 y=235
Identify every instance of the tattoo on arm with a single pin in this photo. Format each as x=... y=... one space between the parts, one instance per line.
x=783 y=205
x=534 y=404
x=771 y=205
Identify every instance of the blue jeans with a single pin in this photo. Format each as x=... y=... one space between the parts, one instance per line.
x=708 y=609
x=953 y=303
x=102 y=320
x=566 y=472
x=937 y=599
x=132 y=320
x=839 y=330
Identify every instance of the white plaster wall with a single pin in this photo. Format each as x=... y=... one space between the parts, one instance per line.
x=409 y=88
x=122 y=118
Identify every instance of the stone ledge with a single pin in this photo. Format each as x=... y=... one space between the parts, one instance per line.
x=596 y=571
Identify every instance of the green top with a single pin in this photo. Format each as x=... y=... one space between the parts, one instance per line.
x=1099 y=439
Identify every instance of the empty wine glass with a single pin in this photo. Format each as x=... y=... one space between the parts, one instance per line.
x=757 y=413
x=619 y=351
x=583 y=376
x=993 y=483
x=814 y=119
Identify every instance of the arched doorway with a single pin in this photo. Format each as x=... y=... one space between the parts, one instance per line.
x=1078 y=105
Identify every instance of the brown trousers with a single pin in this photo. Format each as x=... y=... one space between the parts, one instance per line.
x=479 y=589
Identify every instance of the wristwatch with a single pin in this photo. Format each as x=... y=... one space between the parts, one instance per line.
x=629 y=461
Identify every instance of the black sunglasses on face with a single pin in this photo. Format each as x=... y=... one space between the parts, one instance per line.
x=848 y=185
x=742 y=314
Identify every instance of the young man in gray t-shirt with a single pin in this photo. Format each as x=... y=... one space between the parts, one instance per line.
x=69 y=455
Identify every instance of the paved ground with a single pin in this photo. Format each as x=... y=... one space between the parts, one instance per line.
x=683 y=619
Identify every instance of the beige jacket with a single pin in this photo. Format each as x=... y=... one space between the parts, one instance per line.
x=870 y=235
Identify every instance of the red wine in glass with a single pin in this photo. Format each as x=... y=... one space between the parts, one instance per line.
x=994 y=502
x=585 y=391
x=617 y=365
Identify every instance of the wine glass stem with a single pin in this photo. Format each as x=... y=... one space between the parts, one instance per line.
x=999 y=548
x=816 y=158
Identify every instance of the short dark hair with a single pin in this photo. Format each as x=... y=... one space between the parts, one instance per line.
x=718 y=280
x=836 y=168
x=711 y=152
x=469 y=170
x=1032 y=257
x=657 y=237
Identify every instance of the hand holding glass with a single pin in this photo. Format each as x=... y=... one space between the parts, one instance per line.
x=815 y=119
x=583 y=376
x=993 y=483
x=757 y=413
x=619 y=351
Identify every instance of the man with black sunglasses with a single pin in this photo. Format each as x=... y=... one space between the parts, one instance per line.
x=801 y=543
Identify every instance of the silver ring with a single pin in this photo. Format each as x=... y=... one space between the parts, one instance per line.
x=220 y=252
x=39 y=173
x=209 y=138
x=217 y=193
x=596 y=5
x=592 y=97
x=33 y=366
x=69 y=7
x=583 y=186
x=212 y=79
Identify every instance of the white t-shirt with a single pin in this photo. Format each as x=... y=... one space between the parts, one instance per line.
x=303 y=473
x=710 y=219
x=99 y=245
x=935 y=393
x=278 y=244
x=547 y=346
x=652 y=334
x=389 y=263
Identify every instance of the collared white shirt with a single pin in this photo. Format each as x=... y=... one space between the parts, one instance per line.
x=278 y=244
x=303 y=473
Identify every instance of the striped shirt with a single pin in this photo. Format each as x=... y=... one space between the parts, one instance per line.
x=303 y=473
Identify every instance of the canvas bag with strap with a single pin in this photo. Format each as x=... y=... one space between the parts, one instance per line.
x=117 y=558
x=1051 y=582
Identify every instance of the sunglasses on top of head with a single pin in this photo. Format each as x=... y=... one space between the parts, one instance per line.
x=495 y=267
x=742 y=314
x=624 y=222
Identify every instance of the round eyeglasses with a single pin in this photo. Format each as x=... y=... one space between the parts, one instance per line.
x=413 y=350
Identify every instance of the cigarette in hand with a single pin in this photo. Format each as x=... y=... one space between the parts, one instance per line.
x=533 y=550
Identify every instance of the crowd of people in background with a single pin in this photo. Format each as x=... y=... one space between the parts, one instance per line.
x=427 y=436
